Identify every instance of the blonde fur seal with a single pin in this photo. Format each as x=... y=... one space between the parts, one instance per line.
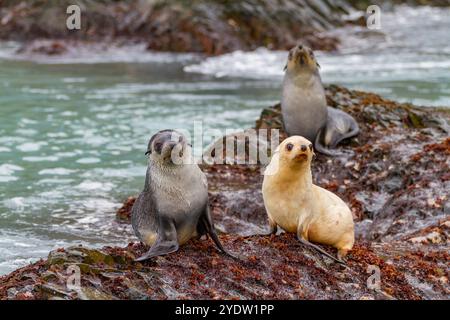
x=297 y=205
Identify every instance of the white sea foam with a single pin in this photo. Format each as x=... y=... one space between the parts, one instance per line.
x=56 y=171
x=261 y=63
x=8 y=178
x=41 y=159
x=264 y=63
x=88 y=160
x=7 y=172
x=94 y=54
x=8 y=169
x=16 y=203
x=94 y=185
x=31 y=146
x=74 y=80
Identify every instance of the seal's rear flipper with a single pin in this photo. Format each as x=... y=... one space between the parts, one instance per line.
x=322 y=149
x=166 y=242
x=206 y=226
x=309 y=244
x=354 y=131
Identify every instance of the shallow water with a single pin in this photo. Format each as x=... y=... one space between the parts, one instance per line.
x=73 y=129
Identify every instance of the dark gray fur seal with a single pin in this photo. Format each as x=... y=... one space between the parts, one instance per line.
x=304 y=105
x=173 y=207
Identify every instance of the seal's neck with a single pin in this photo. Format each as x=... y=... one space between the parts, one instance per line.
x=303 y=78
x=161 y=174
x=297 y=174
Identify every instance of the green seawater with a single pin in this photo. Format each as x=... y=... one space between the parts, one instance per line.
x=73 y=137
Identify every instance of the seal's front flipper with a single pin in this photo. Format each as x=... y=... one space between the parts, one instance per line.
x=166 y=242
x=273 y=228
x=309 y=244
x=206 y=226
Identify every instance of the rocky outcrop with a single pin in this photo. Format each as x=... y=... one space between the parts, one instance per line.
x=394 y=176
x=363 y=4
x=269 y=267
x=206 y=26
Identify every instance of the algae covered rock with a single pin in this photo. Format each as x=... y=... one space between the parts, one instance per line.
x=206 y=26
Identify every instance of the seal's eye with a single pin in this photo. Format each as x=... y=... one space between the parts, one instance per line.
x=289 y=146
x=310 y=147
x=158 y=147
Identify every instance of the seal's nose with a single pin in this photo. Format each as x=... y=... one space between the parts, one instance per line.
x=300 y=47
x=303 y=147
x=172 y=144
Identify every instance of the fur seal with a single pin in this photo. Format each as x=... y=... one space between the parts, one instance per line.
x=173 y=207
x=304 y=105
x=297 y=205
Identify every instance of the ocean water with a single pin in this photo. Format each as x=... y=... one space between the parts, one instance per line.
x=74 y=128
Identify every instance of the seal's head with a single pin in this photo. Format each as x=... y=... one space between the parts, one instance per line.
x=301 y=59
x=168 y=147
x=296 y=151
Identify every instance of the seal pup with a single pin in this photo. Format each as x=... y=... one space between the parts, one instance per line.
x=304 y=104
x=173 y=207
x=297 y=205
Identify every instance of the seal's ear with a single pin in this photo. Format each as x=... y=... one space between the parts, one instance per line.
x=285 y=67
x=318 y=65
x=290 y=54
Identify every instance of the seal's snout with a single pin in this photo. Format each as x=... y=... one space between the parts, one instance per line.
x=171 y=145
x=301 y=156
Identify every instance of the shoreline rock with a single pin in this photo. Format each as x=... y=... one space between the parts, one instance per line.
x=272 y=267
x=211 y=27
x=394 y=176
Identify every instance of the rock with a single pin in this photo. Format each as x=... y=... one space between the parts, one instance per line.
x=45 y=47
x=363 y=4
x=206 y=26
x=124 y=213
x=433 y=237
x=271 y=267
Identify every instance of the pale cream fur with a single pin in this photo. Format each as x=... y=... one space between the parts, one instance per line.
x=295 y=204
